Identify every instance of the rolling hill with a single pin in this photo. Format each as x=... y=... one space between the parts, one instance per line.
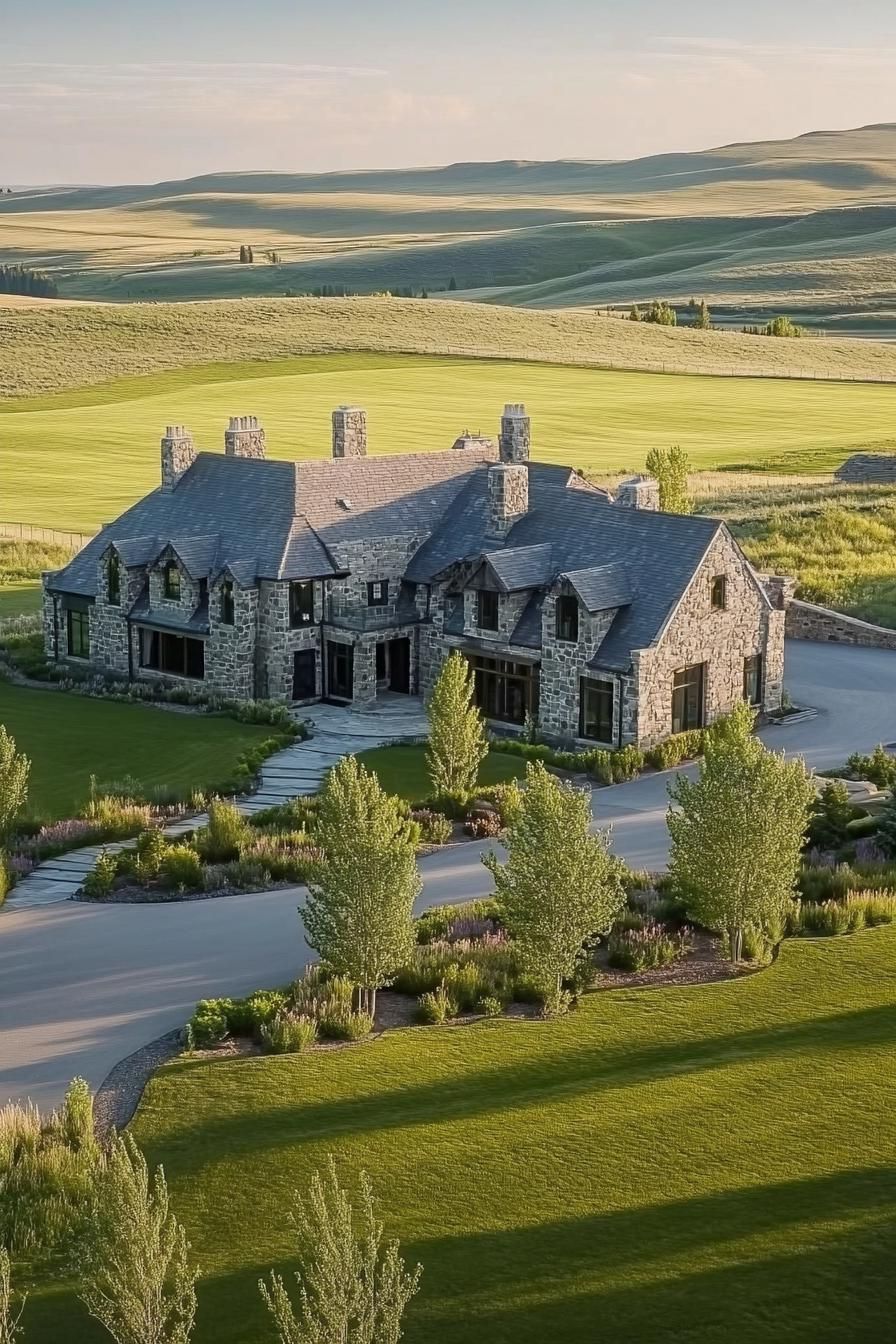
x=808 y=225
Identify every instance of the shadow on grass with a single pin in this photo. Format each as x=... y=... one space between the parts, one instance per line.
x=528 y=1081
x=796 y=1262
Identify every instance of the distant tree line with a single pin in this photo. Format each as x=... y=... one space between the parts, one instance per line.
x=779 y=326
x=20 y=280
x=662 y=314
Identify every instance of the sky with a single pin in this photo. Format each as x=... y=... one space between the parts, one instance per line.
x=126 y=91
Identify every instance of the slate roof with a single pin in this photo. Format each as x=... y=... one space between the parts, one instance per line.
x=602 y=586
x=169 y=619
x=283 y=517
x=520 y=567
x=587 y=532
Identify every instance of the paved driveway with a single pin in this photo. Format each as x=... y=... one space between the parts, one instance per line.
x=82 y=986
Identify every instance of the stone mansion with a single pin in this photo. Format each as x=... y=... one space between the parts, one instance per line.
x=344 y=578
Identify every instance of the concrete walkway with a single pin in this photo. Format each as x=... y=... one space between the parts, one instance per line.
x=82 y=986
x=298 y=769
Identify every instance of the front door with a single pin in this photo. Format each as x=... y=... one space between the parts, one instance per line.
x=304 y=675
x=400 y=665
x=340 y=670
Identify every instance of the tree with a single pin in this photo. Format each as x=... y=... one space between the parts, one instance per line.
x=671 y=468
x=359 y=911
x=136 y=1278
x=452 y=283
x=457 y=741
x=634 y=313
x=885 y=835
x=353 y=1288
x=702 y=316
x=782 y=326
x=738 y=834
x=10 y=1330
x=560 y=885
x=14 y=771
x=661 y=313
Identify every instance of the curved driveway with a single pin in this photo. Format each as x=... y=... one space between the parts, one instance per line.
x=81 y=986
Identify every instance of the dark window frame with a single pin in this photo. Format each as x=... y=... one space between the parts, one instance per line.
x=718 y=592
x=503 y=689
x=113 y=580
x=378 y=593
x=689 y=697
x=171 y=654
x=604 y=689
x=753 y=677
x=171 y=586
x=227 y=605
x=487 y=596
x=301 y=603
x=77 y=633
x=566 y=611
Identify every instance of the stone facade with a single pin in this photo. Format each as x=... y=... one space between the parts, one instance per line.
x=564 y=663
x=805 y=620
x=349 y=432
x=178 y=453
x=719 y=639
x=244 y=437
x=640 y=492
x=516 y=434
x=508 y=497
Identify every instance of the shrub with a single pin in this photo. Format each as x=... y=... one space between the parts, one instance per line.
x=441 y=921
x=435 y=1007
x=151 y=847
x=755 y=945
x=240 y=875
x=876 y=907
x=227 y=830
x=114 y=818
x=466 y=984
x=646 y=948
x=98 y=883
x=879 y=767
x=483 y=825
x=435 y=828
x=860 y=826
x=6 y=876
x=286 y=858
x=209 y=1023
x=600 y=765
x=288 y=1033
x=627 y=763
x=180 y=869
x=826 y=917
x=831 y=816
x=246 y=1017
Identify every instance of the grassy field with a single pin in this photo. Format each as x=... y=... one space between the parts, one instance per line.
x=807 y=222
x=21 y=565
x=687 y=1165
x=402 y=769
x=69 y=738
x=77 y=460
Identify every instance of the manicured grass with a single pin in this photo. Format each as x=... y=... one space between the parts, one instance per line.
x=402 y=769
x=78 y=465
x=70 y=737
x=17 y=599
x=675 y=1166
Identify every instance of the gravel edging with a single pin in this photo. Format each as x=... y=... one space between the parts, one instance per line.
x=119 y=1094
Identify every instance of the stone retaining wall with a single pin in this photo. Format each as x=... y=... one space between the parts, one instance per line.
x=805 y=620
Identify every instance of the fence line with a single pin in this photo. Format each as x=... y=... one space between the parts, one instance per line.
x=31 y=532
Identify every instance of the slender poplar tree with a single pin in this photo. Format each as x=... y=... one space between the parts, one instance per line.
x=457 y=740
x=359 y=911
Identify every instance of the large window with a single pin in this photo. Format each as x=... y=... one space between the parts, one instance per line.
x=77 y=628
x=567 y=618
x=113 y=579
x=378 y=593
x=687 y=698
x=505 y=690
x=753 y=679
x=596 y=710
x=488 y=611
x=301 y=603
x=177 y=655
x=171 y=581
x=227 y=602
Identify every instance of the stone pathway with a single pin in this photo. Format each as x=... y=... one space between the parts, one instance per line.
x=298 y=769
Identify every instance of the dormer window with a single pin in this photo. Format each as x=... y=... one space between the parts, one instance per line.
x=113 y=579
x=719 y=593
x=488 y=610
x=567 y=618
x=227 y=602
x=301 y=604
x=378 y=593
x=171 y=581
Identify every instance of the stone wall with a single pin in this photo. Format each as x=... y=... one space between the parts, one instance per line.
x=230 y=649
x=563 y=664
x=510 y=608
x=805 y=620
x=277 y=641
x=368 y=562
x=720 y=639
x=109 y=621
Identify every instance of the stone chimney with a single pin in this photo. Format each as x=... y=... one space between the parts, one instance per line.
x=349 y=432
x=508 y=497
x=178 y=454
x=515 y=434
x=244 y=437
x=639 y=492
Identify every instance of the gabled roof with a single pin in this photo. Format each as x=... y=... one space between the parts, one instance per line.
x=602 y=586
x=305 y=556
x=169 y=618
x=196 y=553
x=527 y=631
x=520 y=567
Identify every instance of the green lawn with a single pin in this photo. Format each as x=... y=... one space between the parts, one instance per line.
x=19 y=598
x=69 y=464
x=69 y=738
x=711 y=1165
x=402 y=769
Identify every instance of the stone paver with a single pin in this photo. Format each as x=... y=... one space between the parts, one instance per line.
x=296 y=771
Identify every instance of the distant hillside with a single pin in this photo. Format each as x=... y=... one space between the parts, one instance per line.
x=807 y=225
